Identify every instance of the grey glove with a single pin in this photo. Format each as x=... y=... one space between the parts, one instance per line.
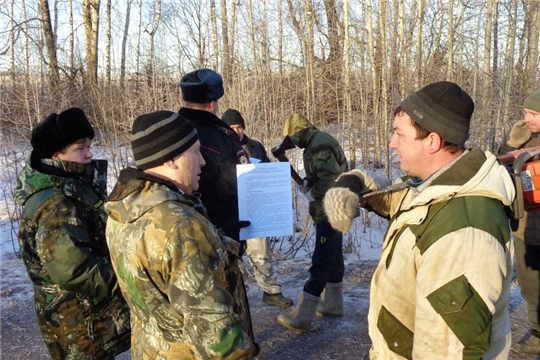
x=519 y=134
x=306 y=190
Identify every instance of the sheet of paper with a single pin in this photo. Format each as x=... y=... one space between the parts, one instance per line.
x=265 y=199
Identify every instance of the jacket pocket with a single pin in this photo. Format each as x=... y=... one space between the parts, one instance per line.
x=398 y=337
x=466 y=314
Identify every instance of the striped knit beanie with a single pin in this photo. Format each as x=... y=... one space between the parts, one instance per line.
x=159 y=137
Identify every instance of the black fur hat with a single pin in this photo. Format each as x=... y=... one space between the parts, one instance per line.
x=57 y=131
x=201 y=86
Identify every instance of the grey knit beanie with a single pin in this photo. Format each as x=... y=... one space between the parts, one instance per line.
x=159 y=137
x=441 y=107
x=532 y=101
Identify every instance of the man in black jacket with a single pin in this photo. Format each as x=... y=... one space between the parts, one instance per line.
x=257 y=248
x=220 y=147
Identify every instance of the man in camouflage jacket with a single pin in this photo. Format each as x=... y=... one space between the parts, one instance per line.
x=324 y=161
x=525 y=134
x=179 y=274
x=79 y=306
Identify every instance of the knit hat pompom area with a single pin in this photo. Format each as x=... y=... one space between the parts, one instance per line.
x=57 y=131
x=201 y=86
x=441 y=107
x=532 y=101
x=160 y=136
x=233 y=117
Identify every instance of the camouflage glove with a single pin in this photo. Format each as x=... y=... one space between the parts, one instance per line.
x=342 y=199
x=519 y=134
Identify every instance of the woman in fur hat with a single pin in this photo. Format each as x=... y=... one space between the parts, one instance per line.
x=79 y=306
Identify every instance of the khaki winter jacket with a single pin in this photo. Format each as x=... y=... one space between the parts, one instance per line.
x=442 y=287
x=179 y=276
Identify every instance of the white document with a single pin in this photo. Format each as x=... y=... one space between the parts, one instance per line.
x=265 y=199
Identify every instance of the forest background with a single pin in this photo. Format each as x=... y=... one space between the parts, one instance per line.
x=345 y=64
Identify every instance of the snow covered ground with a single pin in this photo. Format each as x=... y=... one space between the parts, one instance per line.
x=342 y=338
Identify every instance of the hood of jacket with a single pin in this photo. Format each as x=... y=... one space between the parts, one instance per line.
x=137 y=193
x=476 y=173
x=299 y=129
x=41 y=174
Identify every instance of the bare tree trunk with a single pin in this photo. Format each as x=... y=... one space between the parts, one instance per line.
x=72 y=67
x=108 y=46
x=374 y=78
x=419 y=44
x=509 y=69
x=252 y=36
x=532 y=14
x=347 y=91
x=450 y=42
x=215 y=45
x=138 y=48
x=124 y=45
x=486 y=88
x=280 y=36
x=151 y=36
x=227 y=54
x=91 y=26
x=50 y=41
x=12 y=70
x=309 y=59
x=382 y=44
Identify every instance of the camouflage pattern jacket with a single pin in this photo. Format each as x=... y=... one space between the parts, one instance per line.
x=179 y=276
x=79 y=306
x=324 y=161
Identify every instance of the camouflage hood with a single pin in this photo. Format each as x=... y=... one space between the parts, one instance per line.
x=135 y=194
x=41 y=174
x=299 y=129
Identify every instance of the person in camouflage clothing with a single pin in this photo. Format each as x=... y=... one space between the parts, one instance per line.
x=79 y=306
x=179 y=274
x=324 y=161
x=526 y=134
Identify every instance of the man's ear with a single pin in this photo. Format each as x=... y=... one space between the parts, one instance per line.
x=170 y=164
x=434 y=141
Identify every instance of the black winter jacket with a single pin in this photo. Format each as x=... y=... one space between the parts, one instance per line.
x=255 y=149
x=219 y=147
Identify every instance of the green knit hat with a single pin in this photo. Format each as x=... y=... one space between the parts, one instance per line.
x=441 y=107
x=532 y=101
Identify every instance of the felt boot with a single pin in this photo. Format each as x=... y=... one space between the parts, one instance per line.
x=529 y=346
x=277 y=300
x=302 y=315
x=331 y=300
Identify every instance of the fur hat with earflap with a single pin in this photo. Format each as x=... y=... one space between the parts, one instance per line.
x=57 y=131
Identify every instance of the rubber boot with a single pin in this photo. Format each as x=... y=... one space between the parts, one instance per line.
x=530 y=346
x=302 y=315
x=331 y=300
x=277 y=300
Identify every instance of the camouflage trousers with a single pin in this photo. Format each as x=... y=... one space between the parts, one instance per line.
x=257 y=252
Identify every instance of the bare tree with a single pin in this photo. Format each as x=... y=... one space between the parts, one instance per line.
x=91 y=26
x=47 y=27
x=124 y=44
